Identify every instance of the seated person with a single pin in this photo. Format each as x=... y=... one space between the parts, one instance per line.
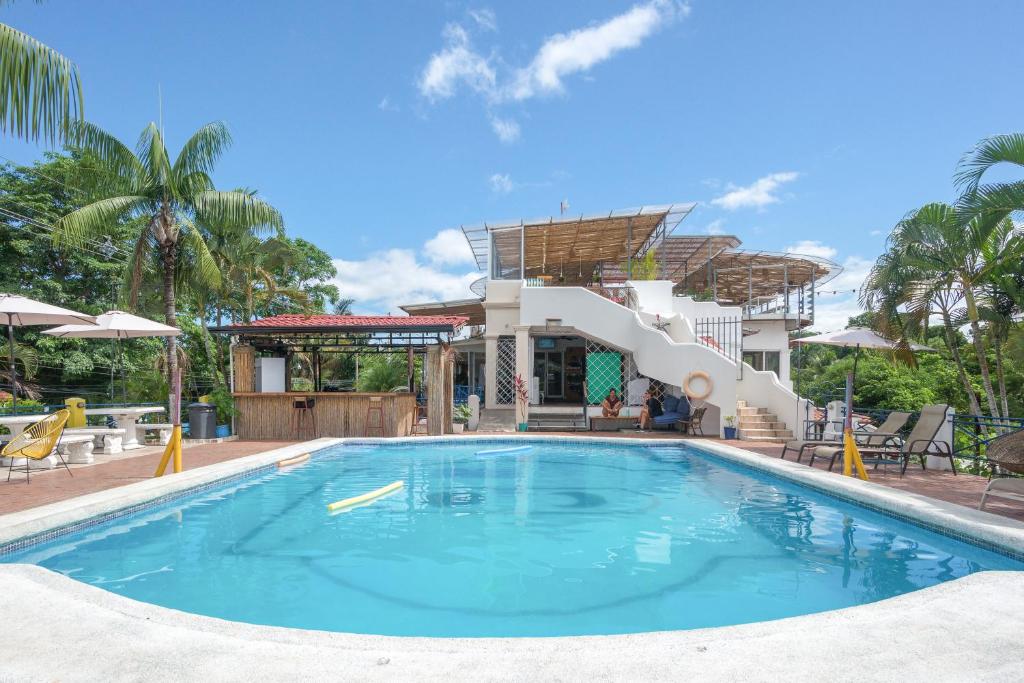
x=611 y=405
x=651 y=409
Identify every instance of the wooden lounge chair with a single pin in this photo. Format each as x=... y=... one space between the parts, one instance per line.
x=919 y=443
x=692 y=424
x=37 y=442
x=1007 y=454
x=887 y=434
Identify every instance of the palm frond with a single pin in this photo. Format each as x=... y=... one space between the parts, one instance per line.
x=153 y=155
x=237 y=209
x=202 y=151
x=996 y=201
x=122 y=171
x=200 y=265
x=94 y=220
x=40 y=92
x=986 y=154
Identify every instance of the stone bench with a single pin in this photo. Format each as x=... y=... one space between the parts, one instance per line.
x=612 y=424
x=163 y=429
x=108 y=440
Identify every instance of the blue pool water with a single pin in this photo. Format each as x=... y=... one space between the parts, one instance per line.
x=561 y=540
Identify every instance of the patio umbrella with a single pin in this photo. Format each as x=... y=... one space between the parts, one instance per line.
x=117 y=325
x=856 y=337
x=20 y=311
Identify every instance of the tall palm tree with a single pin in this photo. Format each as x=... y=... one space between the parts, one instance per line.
x=904 y=297
x=40 y=93
x=937 y=242
x=170 y=198
x=997 y=200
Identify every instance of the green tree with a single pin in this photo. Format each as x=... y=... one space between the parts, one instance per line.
x=995 y=201
x=171 y=199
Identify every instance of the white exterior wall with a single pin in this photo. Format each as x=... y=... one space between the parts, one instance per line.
x=656 y=354
x=771 y=336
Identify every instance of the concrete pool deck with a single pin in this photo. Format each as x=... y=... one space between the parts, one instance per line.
x=963 y=629
x=966 y=629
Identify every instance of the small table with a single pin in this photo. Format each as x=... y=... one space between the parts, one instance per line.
x=612 y=424
x=126 y=419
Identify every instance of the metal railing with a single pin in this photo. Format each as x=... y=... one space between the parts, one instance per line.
x=972 y=433
x=462 y=392
x=723 y=334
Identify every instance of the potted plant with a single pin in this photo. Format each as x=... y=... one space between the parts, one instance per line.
x=460 y=418
x=730 y=430
x=522 y=391
x=221 y=399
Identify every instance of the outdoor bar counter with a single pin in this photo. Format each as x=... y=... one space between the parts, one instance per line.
x=272 y=416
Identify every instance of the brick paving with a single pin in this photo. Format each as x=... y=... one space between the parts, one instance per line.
x=50 y=486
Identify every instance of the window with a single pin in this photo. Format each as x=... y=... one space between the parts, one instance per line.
x=763 y=360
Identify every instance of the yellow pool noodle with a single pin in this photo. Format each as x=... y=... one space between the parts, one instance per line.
x=295 y=460
x=366 y=497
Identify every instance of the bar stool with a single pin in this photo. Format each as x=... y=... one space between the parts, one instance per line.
x=304 y=415
x=376 y=407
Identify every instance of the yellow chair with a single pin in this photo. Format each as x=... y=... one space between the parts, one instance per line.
x=37 y=442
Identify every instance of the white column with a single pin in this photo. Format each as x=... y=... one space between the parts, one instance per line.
x=945 y=434
x=490 y=370
x=523 y=367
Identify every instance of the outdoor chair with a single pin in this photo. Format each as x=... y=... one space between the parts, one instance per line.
x=674 y=410
x=917 y=444
x=692 y=423
x=38 y=441
x=887 y=434
x=1006 y=453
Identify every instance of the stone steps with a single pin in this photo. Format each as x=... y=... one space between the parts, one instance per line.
x=757 y=424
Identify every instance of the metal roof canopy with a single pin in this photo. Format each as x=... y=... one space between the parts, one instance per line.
x=341 y=332
x=738 y=276
x=472 y=309
x=557 y=244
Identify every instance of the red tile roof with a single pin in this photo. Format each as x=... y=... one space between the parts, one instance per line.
x=362 y=323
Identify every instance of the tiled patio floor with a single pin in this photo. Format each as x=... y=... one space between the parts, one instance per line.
x=50 y=486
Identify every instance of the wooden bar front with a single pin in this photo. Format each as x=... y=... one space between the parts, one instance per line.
x=270 y=416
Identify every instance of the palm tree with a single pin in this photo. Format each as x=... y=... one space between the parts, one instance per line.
x=40 y=94
x=997 y=200
x=904 y=297
x=943 y=250
x=172 y=199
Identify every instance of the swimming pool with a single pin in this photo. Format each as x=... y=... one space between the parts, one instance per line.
x=565 y=539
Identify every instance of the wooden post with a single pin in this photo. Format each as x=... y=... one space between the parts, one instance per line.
x=245 y=369
x=435 y=392
x=448 y=373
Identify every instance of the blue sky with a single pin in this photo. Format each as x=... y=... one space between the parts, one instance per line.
x=375 y=127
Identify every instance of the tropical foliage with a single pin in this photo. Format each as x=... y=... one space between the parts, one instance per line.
x=961 y=267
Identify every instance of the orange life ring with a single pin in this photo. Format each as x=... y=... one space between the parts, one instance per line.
x=697 y=374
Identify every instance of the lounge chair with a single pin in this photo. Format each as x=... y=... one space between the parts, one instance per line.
x=887 y=434
x=676 y=410
x=1007 y=454
x=918 y=443
x=37 y=442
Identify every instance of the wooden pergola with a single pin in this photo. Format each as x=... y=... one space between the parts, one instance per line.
x=268 y=415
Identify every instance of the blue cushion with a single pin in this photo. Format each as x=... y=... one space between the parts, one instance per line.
x=670 y=404
x=684 y=407
x=666 y=418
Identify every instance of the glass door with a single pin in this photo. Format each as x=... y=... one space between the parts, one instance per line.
x=548 y=367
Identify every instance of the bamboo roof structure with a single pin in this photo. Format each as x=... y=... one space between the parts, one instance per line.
x=471 y=309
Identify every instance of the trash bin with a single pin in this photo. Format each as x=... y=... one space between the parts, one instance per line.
x=202 y=421
x=76 y=406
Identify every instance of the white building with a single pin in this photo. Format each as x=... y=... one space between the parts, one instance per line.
x=579 y=305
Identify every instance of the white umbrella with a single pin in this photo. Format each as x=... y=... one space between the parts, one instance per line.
x=116 y=325
x=856 y=337
x=20 y=311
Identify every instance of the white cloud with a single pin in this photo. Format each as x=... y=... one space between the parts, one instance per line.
x=564 y=54
x=812 y=248
x=484 y=18
x=758 y=194
x=457 y=63
x=386 y=105
x=836 y=302
x=507 y=130
x=448 y=247
x=502 y=183
x=715 y=227
x=384 y=280
x=876 y=233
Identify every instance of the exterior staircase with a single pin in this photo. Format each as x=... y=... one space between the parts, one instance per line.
x=757 y=424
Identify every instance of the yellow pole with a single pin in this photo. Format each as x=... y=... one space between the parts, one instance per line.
x=851 y=456
x=166 y=457
x=176 y=438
